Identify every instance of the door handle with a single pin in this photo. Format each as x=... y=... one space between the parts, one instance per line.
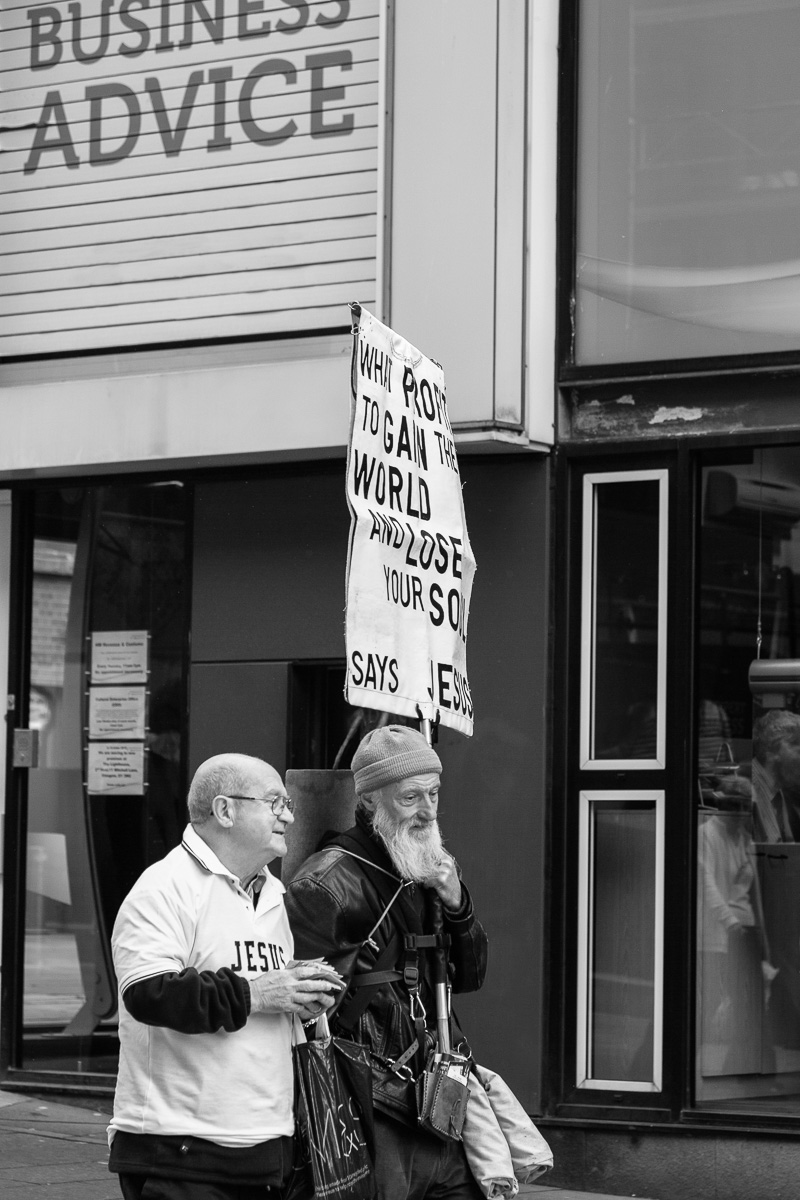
x=25 y=752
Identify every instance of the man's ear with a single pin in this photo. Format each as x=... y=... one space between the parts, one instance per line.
x=368 y=801
x=224 y=810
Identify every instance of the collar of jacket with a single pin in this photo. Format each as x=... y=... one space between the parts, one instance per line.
x=361 y=840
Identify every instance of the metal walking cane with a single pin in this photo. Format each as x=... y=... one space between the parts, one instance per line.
x=440 y=953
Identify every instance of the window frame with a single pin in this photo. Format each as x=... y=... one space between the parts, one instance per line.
x=564 y=1099
x=588 y=800
x=591 y=481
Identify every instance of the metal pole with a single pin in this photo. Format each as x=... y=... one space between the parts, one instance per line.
x=440 y=954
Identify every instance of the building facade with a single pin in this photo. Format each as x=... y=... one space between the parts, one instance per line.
x=586 y=213
x=193 y=196
x=673 y=1006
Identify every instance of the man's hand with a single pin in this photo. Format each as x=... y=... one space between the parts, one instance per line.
x=305 y=988
x=445 y=881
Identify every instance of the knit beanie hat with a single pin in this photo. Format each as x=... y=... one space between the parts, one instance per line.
x=389 y=754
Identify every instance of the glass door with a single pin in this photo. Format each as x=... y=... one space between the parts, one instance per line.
x=97 y=781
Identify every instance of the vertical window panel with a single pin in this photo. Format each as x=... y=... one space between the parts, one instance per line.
x=623 y=622
x=620 y=940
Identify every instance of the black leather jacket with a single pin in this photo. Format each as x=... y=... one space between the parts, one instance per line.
x=333 y=902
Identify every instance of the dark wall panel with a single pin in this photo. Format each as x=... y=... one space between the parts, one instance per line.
x=493 y=785
x=269 y=568
x=269 y=565
x=239 y=707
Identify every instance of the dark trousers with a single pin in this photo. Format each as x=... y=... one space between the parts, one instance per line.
x=165 y=1167
x=409 y=1165
x=139 y=1187
x=412 y=1165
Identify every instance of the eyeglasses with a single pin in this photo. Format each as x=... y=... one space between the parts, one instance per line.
x=278 y=804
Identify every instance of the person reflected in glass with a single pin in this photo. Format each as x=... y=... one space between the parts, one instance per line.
x=776 y=777
x=736 y=973
x=714 y=752
x=776 y=803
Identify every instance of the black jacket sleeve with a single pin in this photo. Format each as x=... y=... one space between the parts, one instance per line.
x=469 y=946
x=191 y=1001
x=325 y=926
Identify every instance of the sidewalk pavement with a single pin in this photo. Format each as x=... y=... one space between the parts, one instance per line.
x=59 y=1150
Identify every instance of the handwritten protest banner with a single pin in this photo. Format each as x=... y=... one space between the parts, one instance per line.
x=410 y=564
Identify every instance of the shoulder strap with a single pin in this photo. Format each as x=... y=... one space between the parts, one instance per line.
x=368 y=939
x=369 y=862
x=364 y=983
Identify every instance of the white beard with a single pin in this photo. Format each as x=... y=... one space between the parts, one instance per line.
x=416 y=851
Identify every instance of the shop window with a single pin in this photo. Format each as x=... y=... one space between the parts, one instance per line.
x=688 y=179
x=623 y=620
x=105 y=661
x=620 y=940
x=748 y=784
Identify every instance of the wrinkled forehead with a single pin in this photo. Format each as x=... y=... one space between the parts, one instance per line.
x=414 y=783
x=267 y=780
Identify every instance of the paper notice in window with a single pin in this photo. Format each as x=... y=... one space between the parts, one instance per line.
x=119 y=656
x=115 y=769
x=116 y=712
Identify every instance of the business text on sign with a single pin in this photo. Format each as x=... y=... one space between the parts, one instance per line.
x=139 y=28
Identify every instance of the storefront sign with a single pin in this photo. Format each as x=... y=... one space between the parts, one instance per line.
x=116 y=712
x=119 y=656
x=410 y=567
x=115 y=768
x=178 y=170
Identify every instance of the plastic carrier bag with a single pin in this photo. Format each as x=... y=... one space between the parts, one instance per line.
x=333 y=1101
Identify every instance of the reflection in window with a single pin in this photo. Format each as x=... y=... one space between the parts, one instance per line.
x=623 y=643
x=689 y=179
x=748 y=759
x=620 y=941
x=104 y=559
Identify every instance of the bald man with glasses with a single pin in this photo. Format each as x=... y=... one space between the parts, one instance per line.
x=209 y=988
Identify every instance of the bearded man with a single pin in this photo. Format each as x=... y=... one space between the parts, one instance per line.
x=363 y=902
